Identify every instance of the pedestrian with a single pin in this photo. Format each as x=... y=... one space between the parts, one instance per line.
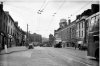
x=75 y=46
x=6 y=48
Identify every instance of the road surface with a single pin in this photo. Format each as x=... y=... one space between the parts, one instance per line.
x=46 y=56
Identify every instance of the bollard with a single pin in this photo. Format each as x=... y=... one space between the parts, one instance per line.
x=5 y=48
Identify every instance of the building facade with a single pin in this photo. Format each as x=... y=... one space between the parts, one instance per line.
x=67 y=34
x=9 y=30
x=3 y=27
x=81 y=24
x=81 y=30
x=35 y=38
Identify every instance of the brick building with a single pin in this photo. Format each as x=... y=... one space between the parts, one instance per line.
x=67 y=33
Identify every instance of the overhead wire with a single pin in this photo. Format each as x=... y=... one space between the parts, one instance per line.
x=16 y=8
x=59 y=8
x=45 y=3
x=80 y=9
x=42 y=5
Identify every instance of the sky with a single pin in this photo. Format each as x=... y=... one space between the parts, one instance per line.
x=25 y=12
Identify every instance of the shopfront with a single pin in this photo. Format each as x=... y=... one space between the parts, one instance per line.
x=3 y=40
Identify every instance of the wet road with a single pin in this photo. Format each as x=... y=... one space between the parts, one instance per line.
x=45 y=56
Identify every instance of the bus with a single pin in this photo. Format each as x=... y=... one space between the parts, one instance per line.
x=93 y=35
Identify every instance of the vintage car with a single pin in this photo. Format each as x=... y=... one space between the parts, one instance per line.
x=31 y=46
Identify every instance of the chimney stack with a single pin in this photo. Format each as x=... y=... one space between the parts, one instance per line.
x=95 y=8
x=69 y=21
x=16 y=23
x=7 y=12
x=1 y=6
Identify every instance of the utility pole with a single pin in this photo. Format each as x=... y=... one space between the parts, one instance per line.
x=27 y=34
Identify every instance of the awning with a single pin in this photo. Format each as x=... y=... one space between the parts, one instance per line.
x=80 y=42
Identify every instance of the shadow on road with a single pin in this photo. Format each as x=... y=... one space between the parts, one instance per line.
x=92 y=59
x=13 y=52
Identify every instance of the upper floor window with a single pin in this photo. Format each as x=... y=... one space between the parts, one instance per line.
x=82 y=24
x=11 y=31
x=4 y=17
x=4 y=26
x=92 y=21
x=79 y=25
x=82 y=33
x=79 y=33
x=11 y=22
x=8 y=30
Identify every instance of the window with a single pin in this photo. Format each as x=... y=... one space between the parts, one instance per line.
x=11 y=22
x=4 y=17
x=4 y=26
x=8 y=29
x=79 y=33
x=97 y=21
x=82 y=33
x=11 y=30
x=8 y=19
x=79 y=25
x=92 y=21
x=13 y=34
x=82 y=24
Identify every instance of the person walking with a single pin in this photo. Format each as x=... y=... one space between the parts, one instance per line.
x=75 y=46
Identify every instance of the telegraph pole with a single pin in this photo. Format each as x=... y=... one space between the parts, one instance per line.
x=27 y=35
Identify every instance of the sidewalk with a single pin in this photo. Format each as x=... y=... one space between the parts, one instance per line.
x=76 y=52
x=13 y=49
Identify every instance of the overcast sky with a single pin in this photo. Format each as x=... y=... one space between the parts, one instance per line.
x=25 y=12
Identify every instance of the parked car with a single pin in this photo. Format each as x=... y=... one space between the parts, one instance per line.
x=58 y=45
x=83 y=47
x=31 y=46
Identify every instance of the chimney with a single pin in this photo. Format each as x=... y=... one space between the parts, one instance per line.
x=78 y=16
x=16 y=23
x=95 y=8
x=7 y=12
x=1 y=6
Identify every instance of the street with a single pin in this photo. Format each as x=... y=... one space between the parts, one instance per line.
x=46 y=56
